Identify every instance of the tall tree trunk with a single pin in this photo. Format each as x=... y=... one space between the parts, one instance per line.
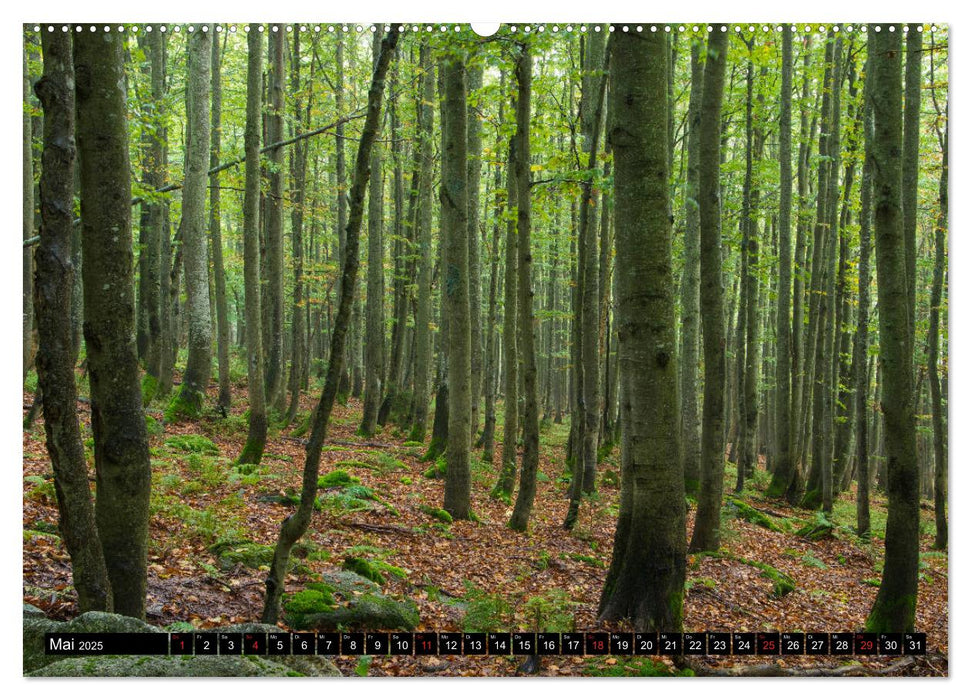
x=256 y=438
x=491 y=356
x=298 y=177
x=591 y=111
x=425 y=157
x=341 y=168
x=645 y=583
x=895 y=605
x=510 y=424
x=861 y=343
x=707 y=535
x=216 y=238
x=527 y=474
x=55 y=357
x=933 y=345
x=374 y=339
x=275 y=361
x=783 y=465
x=455 y=289
x=690 y=287
x=910 y=163
x=122 y=471
x=198 y=366
x=28 y=213
x=295 y=525
x=474 y=131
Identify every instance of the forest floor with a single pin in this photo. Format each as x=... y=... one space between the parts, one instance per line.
x=464 y=575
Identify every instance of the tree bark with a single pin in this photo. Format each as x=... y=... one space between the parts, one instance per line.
x=527 y=474
x=707 y=535
x=198 y=367
x=216 y=238
x=275 y=361
x=455 y=289
x=55 y=356
x=474 y=131
x=895 y=605
x=122 y=471
x=374 y=330
x=256 y=438
x=645 y=583
x=28 y=227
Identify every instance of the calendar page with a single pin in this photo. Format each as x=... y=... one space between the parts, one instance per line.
x=560 y=349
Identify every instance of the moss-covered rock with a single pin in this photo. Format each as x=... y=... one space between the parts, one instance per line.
x=35 y=627
x=37 y=663
x=746 y=512
x=249 y=554
x=316 y=598
x=348 y=584
x=367 y=612
x=437 y=513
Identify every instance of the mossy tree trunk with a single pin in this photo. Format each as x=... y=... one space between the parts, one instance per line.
x=198 y=367
x=55 y=357
x=216 y=238
x=256 y=438
x=690 y=287
x=374 y=311
x=527 y=474
x=122 y=471
x=707 y=535
x=645 y=583
x=455 y=289
x=275 y=361
x=896 y=602
x=295 y=525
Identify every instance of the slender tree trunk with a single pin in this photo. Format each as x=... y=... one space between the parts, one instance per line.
x=198 y=367
x=491 y=357
x=896 y=602
x=275 y=361
x=527 y=475
x=425 y=156
x=28 y=213
x=216 y=239
x=122 y=471
x=256 y=439
x=933 y=353
x=645 y=583
x=690 y=287
x=474 y=132
x=298 y=177
x=55 y=357
x=374 y=340
x=783 y=464
x=707 y=535
x=910 y=162
x=861 y=344
x=295 y=525
x=510 y=424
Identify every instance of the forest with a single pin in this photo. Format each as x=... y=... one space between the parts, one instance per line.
x=566 y=328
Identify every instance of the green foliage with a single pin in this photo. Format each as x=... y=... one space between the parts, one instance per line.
x=819 y=528
x=149 y=388
x=336 y=479
x=43 y=490
x=198 y=444
x=152 y=426
x=233 y=551
x=363 y=666
x=633 y=667
x=809 y=560
x=552 y=611
x=315 y=598
x=610 y=477
x=485 y=612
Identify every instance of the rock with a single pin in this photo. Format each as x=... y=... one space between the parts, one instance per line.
x=367 y=612
x=347 y=583
x=37 y=663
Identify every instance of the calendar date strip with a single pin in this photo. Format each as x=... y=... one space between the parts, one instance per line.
x=487 y=644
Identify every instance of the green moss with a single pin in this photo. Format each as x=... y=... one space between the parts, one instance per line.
x=149 y=388
x=782 y=583
x=152 y=426
x=756 y=517
x=198 y=444
x=437 y=513
x=336 y=478
x=231 y=552
x=633 y=667
x=438 y=470
x=412 y=443
x=185 y=405
x=819 y=528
